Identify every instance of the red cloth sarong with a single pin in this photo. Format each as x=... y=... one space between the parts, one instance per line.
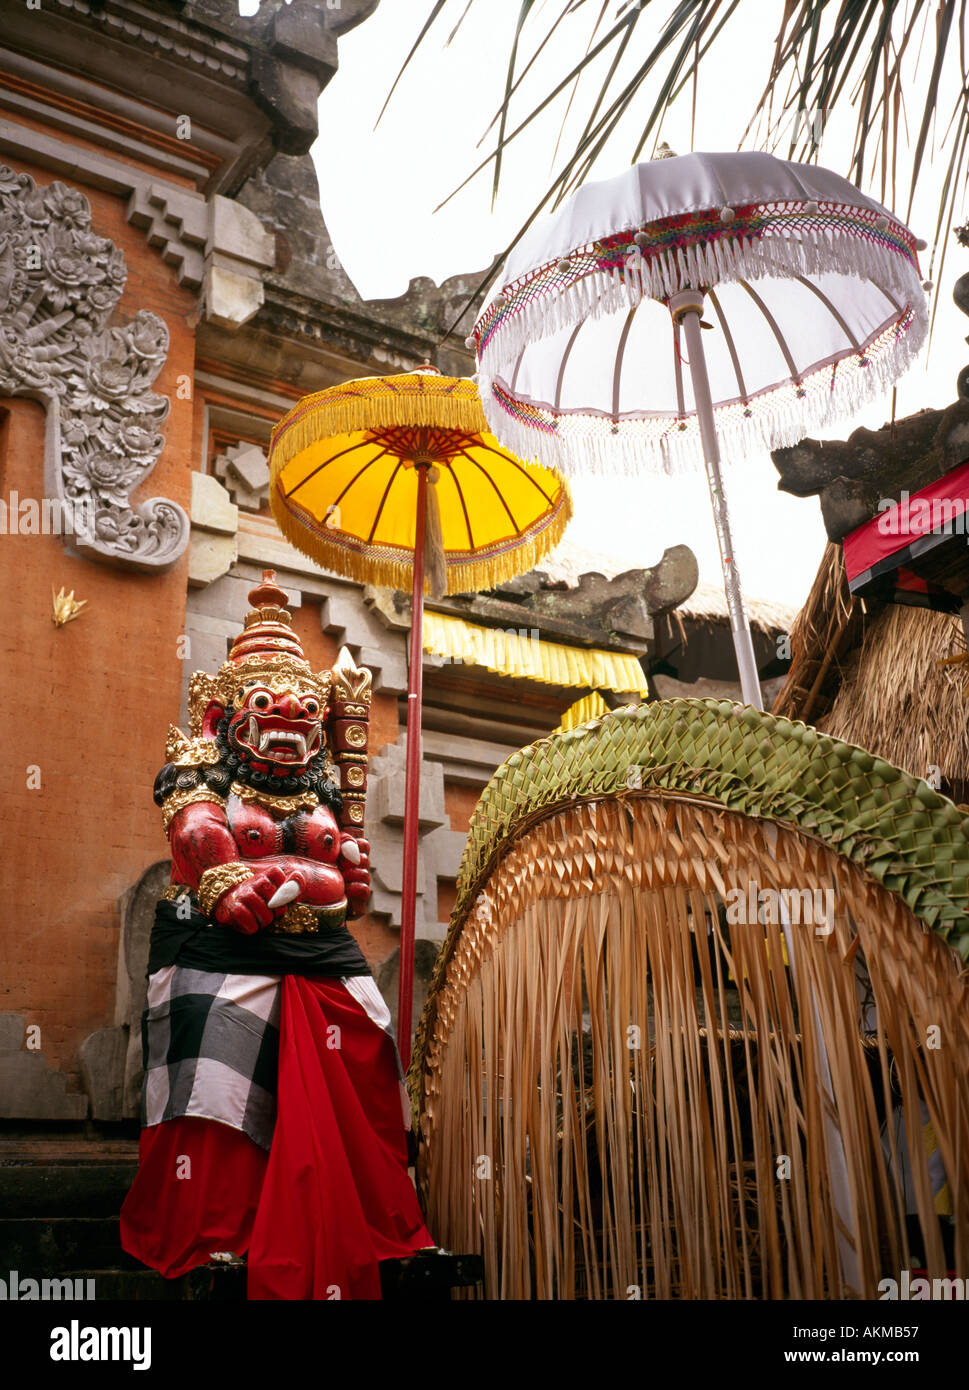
x=332 y=1197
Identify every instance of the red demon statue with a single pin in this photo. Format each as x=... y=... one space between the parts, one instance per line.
x=274 y=1111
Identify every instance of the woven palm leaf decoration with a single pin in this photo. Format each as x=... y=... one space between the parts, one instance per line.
x=624 y=1082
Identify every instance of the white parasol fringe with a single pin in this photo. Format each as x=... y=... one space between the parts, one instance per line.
x=600 y=293
x=773 y=424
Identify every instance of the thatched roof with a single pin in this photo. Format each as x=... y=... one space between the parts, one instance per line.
x=823 y=636
x=708 y=603
x=900 y=702
x=872 y=675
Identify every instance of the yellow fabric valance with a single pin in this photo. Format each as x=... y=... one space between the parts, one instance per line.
x=515 y=652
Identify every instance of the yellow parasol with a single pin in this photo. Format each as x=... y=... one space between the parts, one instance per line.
x=396 y=481
x=344 y=484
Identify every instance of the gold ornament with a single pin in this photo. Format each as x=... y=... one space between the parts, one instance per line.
x=277 y=805
x=217 y=881
x=189 y=752
x=350 y=681
x=66 y=607
x=175 y=891
x=174 y=803
x=202 y=690
x=356 y=736
x=300 y=919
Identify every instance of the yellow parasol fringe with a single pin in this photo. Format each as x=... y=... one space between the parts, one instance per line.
x=370 y=404
x=464 y=577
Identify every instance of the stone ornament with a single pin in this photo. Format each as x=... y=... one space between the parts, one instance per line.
x=59 y=286
x=244 y=473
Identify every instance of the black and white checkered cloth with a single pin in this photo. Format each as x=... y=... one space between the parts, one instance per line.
x=211 y=1045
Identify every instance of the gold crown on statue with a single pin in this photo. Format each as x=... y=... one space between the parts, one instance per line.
x=267 y=650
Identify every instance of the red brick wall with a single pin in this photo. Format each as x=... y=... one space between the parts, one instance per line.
x=88 y=704
x=320 y=647
x=447 y=896
x=172 y=144
x=459 y=802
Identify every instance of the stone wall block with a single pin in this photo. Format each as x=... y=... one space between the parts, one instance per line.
x=103 y=1056
x=29 y=1090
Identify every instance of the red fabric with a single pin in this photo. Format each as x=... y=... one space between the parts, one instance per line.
x=329 y=1201
x=913 y=583
x=197 y=1190
x=918 y=515
x=337 y=1183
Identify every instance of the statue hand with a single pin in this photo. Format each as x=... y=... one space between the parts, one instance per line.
x=354 y=865
x=246 y=908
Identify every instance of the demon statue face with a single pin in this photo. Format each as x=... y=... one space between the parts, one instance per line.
x=271 y=779
x=269 y=731
x=275 y=725
x=261 y=720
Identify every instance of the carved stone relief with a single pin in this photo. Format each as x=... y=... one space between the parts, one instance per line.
x=59 y=286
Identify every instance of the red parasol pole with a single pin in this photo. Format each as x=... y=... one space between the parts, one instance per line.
x=412 y=781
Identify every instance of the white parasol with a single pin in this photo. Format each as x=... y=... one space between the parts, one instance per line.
x=590 y=353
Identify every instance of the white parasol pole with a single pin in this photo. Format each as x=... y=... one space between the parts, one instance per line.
x=686 y=308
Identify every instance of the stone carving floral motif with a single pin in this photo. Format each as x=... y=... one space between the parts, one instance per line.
x=59 y=286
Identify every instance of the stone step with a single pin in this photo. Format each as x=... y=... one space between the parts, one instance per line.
x=419 y=1279
x=210 y=1284
x=46 y=1182
x=61 y=1177
x=429 y=1276
x=71 y=1145
x=56 y=1245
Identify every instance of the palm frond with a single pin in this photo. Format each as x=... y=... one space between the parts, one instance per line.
x=867 y=52
x=438 y=7
x=509 y=80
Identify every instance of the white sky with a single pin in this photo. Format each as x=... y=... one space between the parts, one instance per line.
x=379 y=189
